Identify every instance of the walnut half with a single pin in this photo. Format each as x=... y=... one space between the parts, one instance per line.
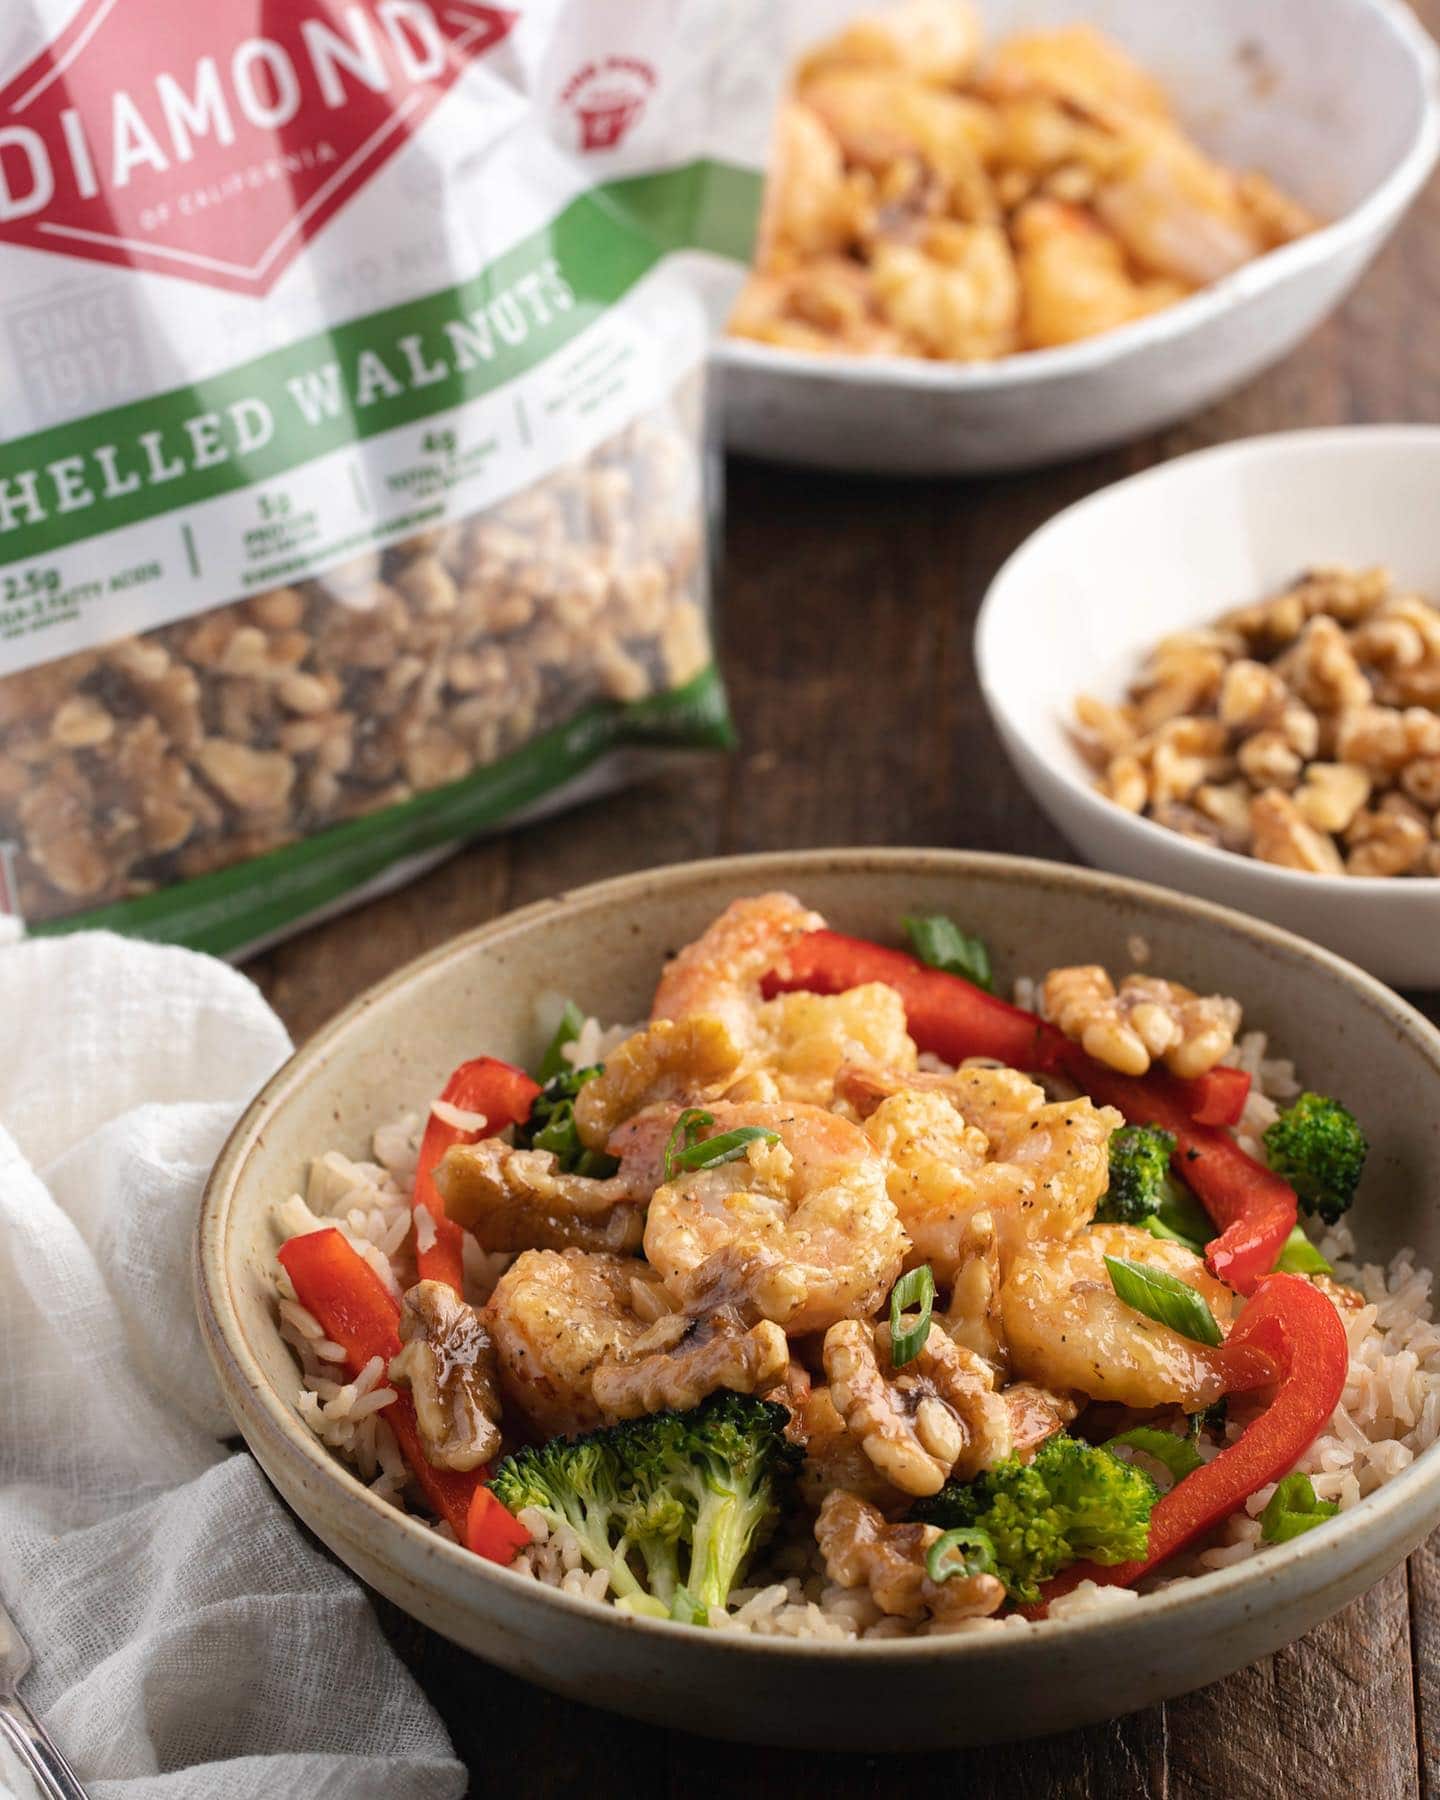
x=1147 y=1020
x=936 y=1416
x=862 y=1550
x=448 y=1363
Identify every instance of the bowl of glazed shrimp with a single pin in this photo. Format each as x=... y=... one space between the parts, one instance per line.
x=856 y=1299
x=999 y=234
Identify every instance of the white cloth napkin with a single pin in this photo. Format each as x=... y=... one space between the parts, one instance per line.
x=188 y=1640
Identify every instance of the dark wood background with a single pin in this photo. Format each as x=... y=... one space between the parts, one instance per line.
x=846 y=609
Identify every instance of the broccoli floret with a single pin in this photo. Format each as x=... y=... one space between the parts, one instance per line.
x=581 y=1484
x=551 y=1125
x=1072 y=1503
x=1320 y=1150
x=1139 y=1171
x=726 y=1463
x=670 y=1506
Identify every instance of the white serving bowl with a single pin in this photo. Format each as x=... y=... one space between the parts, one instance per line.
x=1334 y=99
x=1080 y=601
x=391 y=1051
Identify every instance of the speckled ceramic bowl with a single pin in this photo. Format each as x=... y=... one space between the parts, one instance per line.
x=1083 y=600
x=1334 y=99
x=395 y=1045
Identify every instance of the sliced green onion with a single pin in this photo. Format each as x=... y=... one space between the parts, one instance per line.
x=683 y=1134
x=1164 y=1298
x=974 y=1548
x=1294 y=1507
x=724 y=1147
x=916 y=1289
x=1298 y=1256
x=941 y=943
x=551 y=1126
x=559 y=1134
x=555 y=1062
x=1176 y=1454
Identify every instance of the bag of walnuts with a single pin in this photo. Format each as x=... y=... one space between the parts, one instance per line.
x=353 y=495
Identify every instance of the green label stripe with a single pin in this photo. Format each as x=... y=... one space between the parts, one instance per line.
x=603 y=242
x=234 y=907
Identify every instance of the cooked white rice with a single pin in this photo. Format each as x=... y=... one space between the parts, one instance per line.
x=1388 y=1414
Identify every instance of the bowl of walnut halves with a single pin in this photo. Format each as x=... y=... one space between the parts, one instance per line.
x=1224 y=675
x=1001 y=232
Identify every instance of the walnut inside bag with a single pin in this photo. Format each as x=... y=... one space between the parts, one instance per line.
x=153 y=759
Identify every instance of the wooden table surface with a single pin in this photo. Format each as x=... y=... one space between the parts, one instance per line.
x=847 y=607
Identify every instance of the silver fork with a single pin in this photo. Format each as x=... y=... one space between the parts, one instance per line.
x=53 y=1775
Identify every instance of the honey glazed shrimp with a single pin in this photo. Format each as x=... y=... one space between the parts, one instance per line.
x=891 y=1318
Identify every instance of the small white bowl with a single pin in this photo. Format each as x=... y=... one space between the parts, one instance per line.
x=1080 y=601
x=1334 y=99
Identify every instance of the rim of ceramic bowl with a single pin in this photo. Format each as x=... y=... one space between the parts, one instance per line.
x=270 y=1413
x=1372 y=216
x=1339 y=440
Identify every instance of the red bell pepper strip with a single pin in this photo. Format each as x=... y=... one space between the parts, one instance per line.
x=952 y=1018
x=1217 y=1097
x=947 y=1015
x=503 y=1094
x=358 y=1312
x=492 y=1530
x=1296 y=1325
x=1252 y=1206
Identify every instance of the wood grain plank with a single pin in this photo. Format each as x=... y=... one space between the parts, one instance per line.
x=309 y=978
x=670 y=817
x=1124 y=1758
x=1423 y=1573
x=519 y=1742
x=831 y=649
x=1334 y=1708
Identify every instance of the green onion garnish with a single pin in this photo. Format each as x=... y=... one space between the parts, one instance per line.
x=686 y=1151
x=941 y=943
x=683 y=1134
x=916 y=1289
x=1164 y=1298
x=1294 y=1507
x=551 y=1126
x=724 y=1147
x=1298 y=1256
x=975 y=1551
x=1176 y=1454
x=555 y=1062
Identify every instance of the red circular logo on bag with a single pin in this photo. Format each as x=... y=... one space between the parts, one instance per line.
x=607 y=97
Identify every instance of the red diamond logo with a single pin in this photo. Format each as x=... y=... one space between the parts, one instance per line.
x=211 y=139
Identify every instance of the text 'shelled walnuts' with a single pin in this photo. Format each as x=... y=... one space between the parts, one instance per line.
x=218 y=738
x=1303 y=730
